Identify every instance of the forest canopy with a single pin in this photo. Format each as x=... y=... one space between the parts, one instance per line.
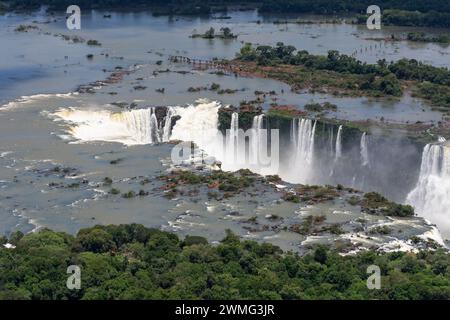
x=135 y=262
x=279 y=6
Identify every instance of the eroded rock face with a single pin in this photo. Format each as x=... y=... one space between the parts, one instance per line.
x=161 y=113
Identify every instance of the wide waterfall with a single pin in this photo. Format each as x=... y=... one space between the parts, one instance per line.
x=339 y=144
x=302 y=162
x=131 y=127
x=431 y=196
x=142 y=125
x=364 y=150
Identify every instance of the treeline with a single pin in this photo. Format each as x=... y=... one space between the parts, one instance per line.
x=134 y=262
x=351 y=6
x=433 y=13
x=182 y=7
x=383 y=76
x=276 y=6
x=440 y=19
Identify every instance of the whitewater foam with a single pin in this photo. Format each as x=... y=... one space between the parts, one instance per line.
x=431 y=196
x=26 y=100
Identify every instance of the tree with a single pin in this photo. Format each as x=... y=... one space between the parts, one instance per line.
x=210 y=33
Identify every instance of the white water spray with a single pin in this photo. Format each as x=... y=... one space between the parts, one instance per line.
x=364 y=150
x=431 y=196
x=303 y=159
x=339 y=144
x=257 y=136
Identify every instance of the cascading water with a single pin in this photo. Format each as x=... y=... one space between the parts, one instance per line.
x=339 y=144
x=255 y=149
x=233 y=149
x=303 y=159
x=142 y=125
x=127 y=127
x=431 y=196
x=338 y=149
x=294 y=133
x=199 y=123
x=331 y=139
x=167 y=129
x=364 y=151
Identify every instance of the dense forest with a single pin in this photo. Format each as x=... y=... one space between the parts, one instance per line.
x=399 y=12
x=433 y=13
x=315 y=6
x=134 y=262
x=384 y=77
x=440 y=19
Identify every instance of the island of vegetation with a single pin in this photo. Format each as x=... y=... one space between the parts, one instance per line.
x=340 y=74
x=211 y=34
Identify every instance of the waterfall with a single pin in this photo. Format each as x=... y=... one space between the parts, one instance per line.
x=364 y=150
x=256 y=139
x=142 y=125
x=431 y=196
x=294 y=132
x=199 y=123
x=128 y=127
x=331 y=139
x=167 y=130
x=339 y=144
x=305 y=141
x=139 y=125
x=303 y=150
x=232 y=146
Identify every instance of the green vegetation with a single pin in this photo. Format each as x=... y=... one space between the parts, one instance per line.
x=291 y=197
x=375 y=203
x=211 y=34
x=317 y=107
x=114 y=191
x=134 y=262
x=25 y=28
x=130 y=194
x=346 y=6
x=317 y=194
x=228 y=182
x=116 y=161
x=285 y=112
x=422 y=37
x=339 y=72
x=433 y=13
x=247 y=111
x=3 y=8
x=435 y=18
x=343 y=74
x=438 y=95
x=411 y=69
x=93 y=43
x=380 y=230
